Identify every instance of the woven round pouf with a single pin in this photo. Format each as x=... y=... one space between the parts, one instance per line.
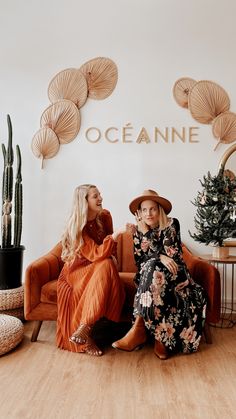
x=16 y=312
x=12 y=302
x=12 y=298
x=11 y=333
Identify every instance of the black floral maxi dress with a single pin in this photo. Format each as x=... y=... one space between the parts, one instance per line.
x=173 y=306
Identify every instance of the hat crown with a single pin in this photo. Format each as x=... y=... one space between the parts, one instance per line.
x=149 y=192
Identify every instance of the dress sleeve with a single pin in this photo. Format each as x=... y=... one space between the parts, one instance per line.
x=142 y=245
x=95 y=252
x=172 y=241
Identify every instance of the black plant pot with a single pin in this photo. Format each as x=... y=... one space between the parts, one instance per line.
x=11 y=263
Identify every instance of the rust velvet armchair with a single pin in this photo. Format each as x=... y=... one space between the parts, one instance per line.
x=41 y=284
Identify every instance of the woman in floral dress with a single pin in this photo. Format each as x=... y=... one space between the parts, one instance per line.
x=167 y=302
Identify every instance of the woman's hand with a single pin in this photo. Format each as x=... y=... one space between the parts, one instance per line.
x=131 y=228
x=169 y=263
x=142 y=226
x=119 y=231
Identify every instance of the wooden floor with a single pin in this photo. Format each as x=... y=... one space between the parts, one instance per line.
x=37 y=380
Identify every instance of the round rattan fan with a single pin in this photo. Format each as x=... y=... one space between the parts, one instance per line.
x=181 y=90
x=224 y=128
x=101 y=75
x=63 y=117
x=45 y=144
x=69 y=84
x=207 y=100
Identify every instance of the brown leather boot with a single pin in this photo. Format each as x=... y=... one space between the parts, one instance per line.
x=160 y=350
x=135 y=337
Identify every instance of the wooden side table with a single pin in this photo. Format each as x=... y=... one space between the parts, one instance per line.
x=226 y=267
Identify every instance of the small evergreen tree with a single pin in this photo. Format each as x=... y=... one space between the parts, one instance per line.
x=215 y=219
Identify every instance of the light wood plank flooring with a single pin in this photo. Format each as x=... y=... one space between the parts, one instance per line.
x=37 y=380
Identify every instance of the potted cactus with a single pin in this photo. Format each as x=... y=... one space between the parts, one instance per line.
x=11 y=252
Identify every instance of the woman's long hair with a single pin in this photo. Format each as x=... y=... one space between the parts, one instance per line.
x=163 y=219
x=72 y=239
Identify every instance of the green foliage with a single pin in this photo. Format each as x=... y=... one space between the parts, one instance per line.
x=7 y=193
x=215 y=218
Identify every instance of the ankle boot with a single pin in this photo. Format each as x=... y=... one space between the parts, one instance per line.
x=135 y=337
x=160 y=350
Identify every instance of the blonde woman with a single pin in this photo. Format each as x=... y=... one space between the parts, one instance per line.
x=89 y=286
x=167 y=302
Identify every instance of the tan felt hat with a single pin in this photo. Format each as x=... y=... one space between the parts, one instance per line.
x=148 y=194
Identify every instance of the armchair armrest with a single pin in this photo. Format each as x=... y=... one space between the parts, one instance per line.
x=38 y=273
x=209 y=278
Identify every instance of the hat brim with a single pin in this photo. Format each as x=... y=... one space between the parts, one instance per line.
x=165 y=204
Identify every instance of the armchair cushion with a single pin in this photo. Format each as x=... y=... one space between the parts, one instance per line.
x=49 y=292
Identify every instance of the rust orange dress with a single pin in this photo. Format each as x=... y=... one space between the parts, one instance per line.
x=90 y=288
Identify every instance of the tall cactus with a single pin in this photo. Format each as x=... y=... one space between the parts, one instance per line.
x=18 y=201
x=7 y=193
x=3 y=174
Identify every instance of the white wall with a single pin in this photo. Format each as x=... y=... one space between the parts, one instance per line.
x=153 y=43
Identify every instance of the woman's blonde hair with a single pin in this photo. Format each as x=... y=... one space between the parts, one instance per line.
x=163 y=219
x=72 y=239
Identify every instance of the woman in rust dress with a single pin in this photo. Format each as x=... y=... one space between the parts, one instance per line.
x=89 y=286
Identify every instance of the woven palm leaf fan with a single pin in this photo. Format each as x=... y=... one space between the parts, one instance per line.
x=207 y=100
x=69 y=84
x=224 y=128
x=101 y=75
x=45 y=144
x=63 y=117
x=181 y=90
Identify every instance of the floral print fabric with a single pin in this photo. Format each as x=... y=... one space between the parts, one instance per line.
x=173 y=306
